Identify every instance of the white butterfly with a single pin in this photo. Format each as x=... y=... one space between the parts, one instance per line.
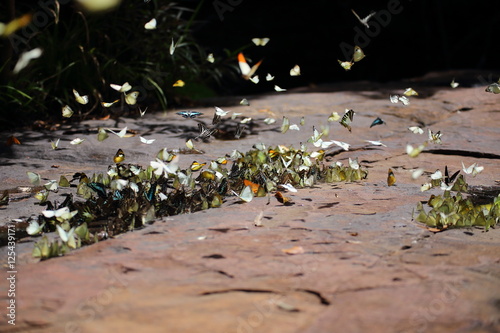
x=34 y=228
x=34 y=178
x=364 y=21
x=354 y=163
x=148 y=142
x=67 y=237
x=376 y=143
x=246 y=194
x=269 y=77
x=246 y=71
x=123 y=88
x=220 y=112
x=417 y=173
x=255 y=79
x=121 y=134
x=260 y=41
x=143 y=112
x=278 y=89
x=295 y=71
x=81 y=99
x=55 y=144
x=61 y=214
x=414 y=152
x=473 y=169
x=151 y=25
x=269 y=121
x=210 y=58
x=172 y=47
x=437 y=175
x=454 y=84
x=289 y=187
x=403 y=99
x=341 y=144
x=76 y=141
x=416 y=130
x=245 y=102
x=25 y=59
x=294 y=127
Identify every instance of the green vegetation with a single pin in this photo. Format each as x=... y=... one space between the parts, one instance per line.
x=88 y=52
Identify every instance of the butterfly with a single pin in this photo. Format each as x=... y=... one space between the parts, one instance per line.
x=67 y=237
x=474 y=169
x=358 y=54
x=110 y=104
x=295 y=71
x=119 y=156
x=414 y=152
x=269 y=77
x=13 y=140
x=447 y=179
x=25 y=58
x=364 y=21
x=493 y=88
x=246 y=71
x=278 y=89
x=377 y=121
x=410 y=92
x=205 y=132
x=55 y=144
x=391 y=179
x=151 y=25
x=454 y=84
x=195 y=166
x=34 y=178
x=375 y=143
x=282 y=199
x=285 y=125
x=210 y=58
x=131 y=98
x=121 y=134
x=172 y=47
x=146 y=141
x=416 y=130
x=245 y=102
x=123 y=88
x=67 y=112
x=189 y=114
x=80 y=99
x=347 y=119
x=255 y=79
x=76 y=141
x=346 y=64
x=239 y=131
x=179 y=83
x=396 y=98
x=142 y=113
x=435 y=137
x=260 y=41
x=34 y=228
x=341 y=144
x=246 y=194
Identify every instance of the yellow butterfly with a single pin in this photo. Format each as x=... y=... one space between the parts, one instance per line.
x=346 y=64
x=391 y=179
x=195 y=166
x=179 y=83
x=131 y=98
x=80 y=99
x=34 y=178
x=410 y=92
x=358 y=54
x=119 y=156
x=67 y=111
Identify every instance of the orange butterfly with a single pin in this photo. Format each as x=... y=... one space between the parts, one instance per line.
x=13 y=140
x=282 y=199
x=246 y=70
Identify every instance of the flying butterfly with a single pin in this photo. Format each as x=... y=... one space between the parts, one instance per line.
x=278 y=88
x=346 y=64
x=282 y=199
x=151 y=25
x=11 y=140
x=474 y=169
x=80 y=99
x=131 y=98
x=416 y=130
x=179 y=83
x=269 y=77
x=109 y=104
x=210 y=58
x=358 y=54
x=119 y=156
x=454 y=84
x=239 y=131
x=363 y=21
x=347 y=119
x=295 y=71
x=189 y=114
x=260 y=41
x=377 y=121
x=493 y=88
x=246 y=71
x=410 y=92
x=123 y=88
x=67 y=112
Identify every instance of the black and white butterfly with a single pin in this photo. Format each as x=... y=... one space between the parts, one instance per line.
x=205 y=132
x=347 y=119
x=189 y=114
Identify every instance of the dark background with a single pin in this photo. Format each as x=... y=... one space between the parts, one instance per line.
x=427 y=35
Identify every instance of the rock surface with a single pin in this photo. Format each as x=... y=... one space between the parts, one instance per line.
x=365 y=265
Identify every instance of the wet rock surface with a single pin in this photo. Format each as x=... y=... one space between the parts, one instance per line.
x=365 y=265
